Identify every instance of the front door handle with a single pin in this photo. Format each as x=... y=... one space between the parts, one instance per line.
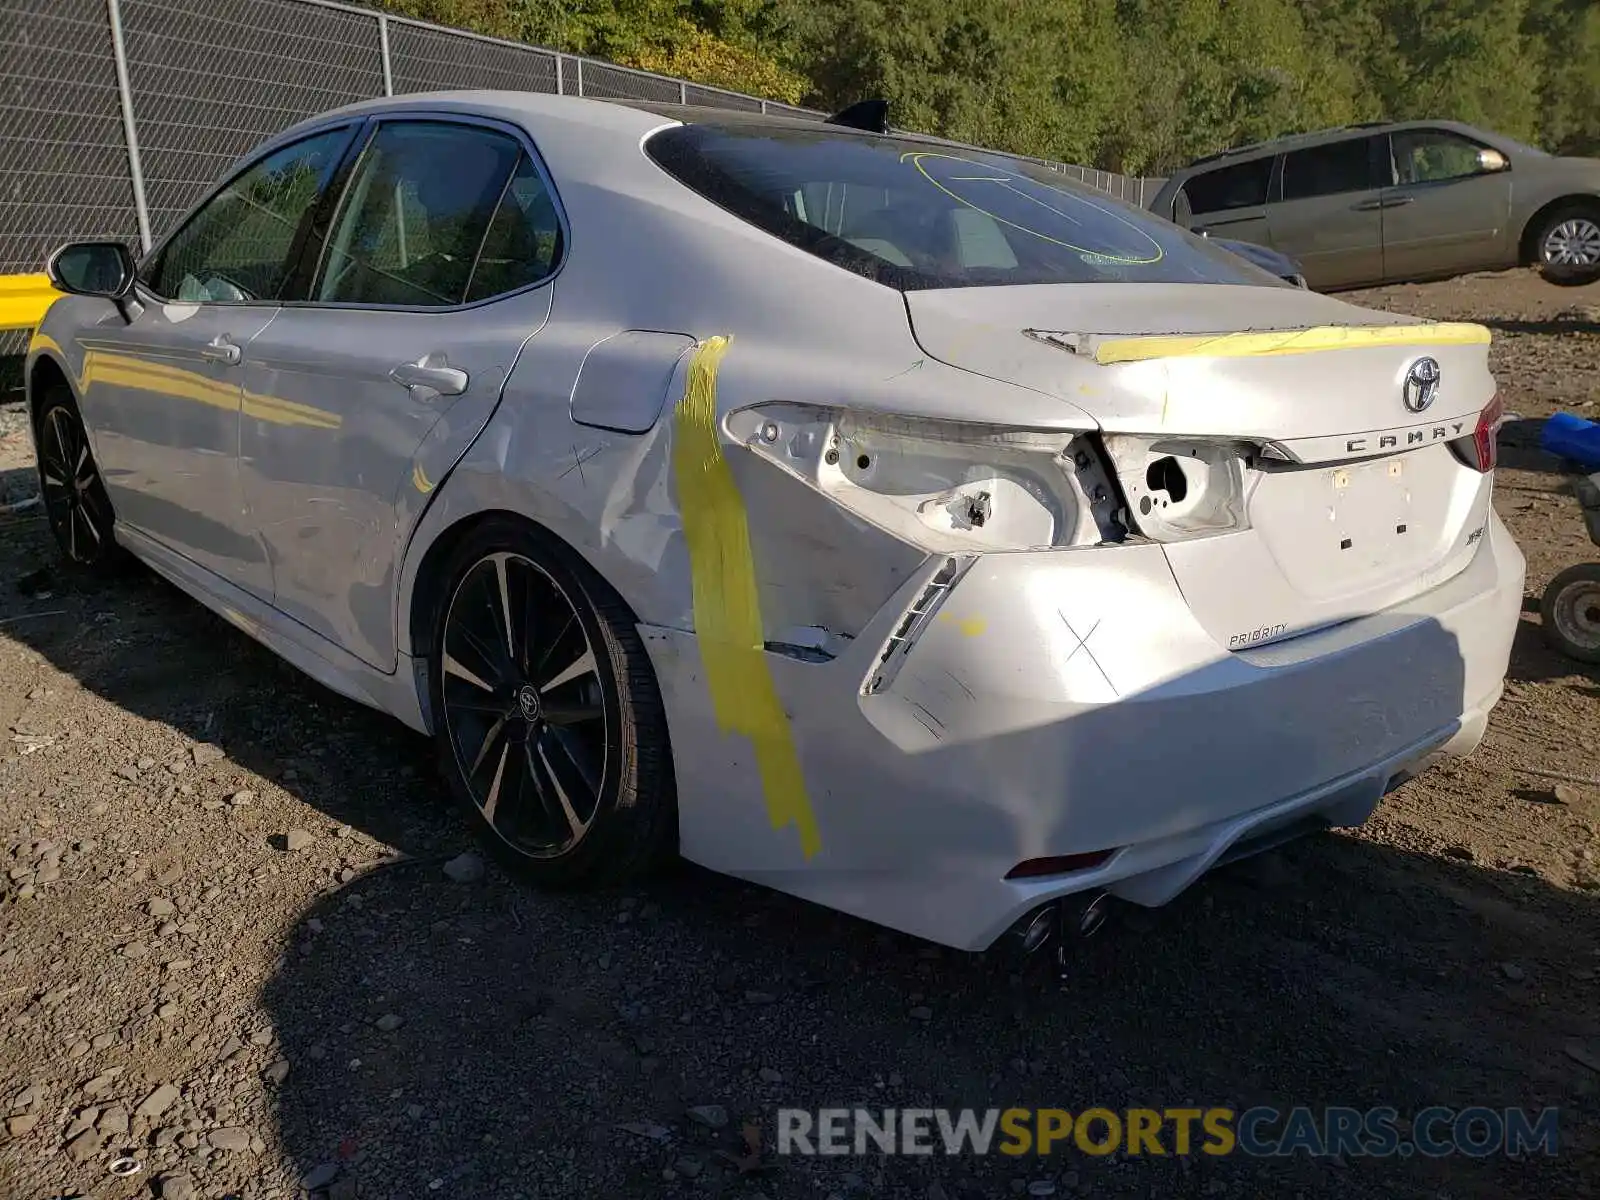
x=1385 y=202
x=433 y=373
x=220 y=349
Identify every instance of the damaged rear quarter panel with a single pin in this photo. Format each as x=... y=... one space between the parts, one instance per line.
x=611 y=495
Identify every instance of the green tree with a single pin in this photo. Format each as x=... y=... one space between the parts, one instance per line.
x=1137 y=86
x=1460 y=59
x=1568 y=31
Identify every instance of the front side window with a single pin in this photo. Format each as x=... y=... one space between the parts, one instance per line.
x=238 y=247
x=1330 y=170
x=414 y=217
x=913 y=214
x=1243 y=185
x=1432 y=155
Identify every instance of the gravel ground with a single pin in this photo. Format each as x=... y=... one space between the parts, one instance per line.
x=238 y=947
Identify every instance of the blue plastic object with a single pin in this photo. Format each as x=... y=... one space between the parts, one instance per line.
x=1573 y=438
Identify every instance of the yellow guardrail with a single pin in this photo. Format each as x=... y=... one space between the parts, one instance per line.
x=24 y=299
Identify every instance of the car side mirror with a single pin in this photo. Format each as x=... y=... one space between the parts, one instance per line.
x=103 y=269
x=1491 y=160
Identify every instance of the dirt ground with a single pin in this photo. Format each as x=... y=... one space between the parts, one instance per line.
x=230 y=954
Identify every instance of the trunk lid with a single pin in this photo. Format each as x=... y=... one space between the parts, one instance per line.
x=1269 y=436
x=1073 y=342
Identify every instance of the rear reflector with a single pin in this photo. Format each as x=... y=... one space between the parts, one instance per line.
x=1062 y=864
x=1481 y=450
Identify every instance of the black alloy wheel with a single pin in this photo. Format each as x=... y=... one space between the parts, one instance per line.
x=550 y=722
x=75 y=499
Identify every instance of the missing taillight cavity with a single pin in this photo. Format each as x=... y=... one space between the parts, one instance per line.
x=1182 y=488
x=1165 y=475
x=944 y=486
x=1481 y=451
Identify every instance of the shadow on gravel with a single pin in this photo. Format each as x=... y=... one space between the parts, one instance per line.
x=1519 y=449
x=1583 y=319
x=1534 y=660
x=1335 y=972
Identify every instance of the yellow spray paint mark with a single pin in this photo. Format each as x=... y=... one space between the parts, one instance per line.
x=727 y=608
x=968 y=626
x=419 y=479
x=1295 y=341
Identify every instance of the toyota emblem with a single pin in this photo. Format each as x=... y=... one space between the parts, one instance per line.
x=1422 y=385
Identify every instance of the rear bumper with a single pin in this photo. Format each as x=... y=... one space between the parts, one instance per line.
x=1062 y=703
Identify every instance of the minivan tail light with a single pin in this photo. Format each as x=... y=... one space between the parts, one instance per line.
x=1481 y=450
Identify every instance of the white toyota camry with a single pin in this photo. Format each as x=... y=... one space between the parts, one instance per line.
x=893 y=523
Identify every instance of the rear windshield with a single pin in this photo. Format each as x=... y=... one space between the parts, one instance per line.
x=913 y=214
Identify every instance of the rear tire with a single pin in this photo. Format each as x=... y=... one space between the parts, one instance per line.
x=75 y=499
x=550 y=725
x=1571 y=612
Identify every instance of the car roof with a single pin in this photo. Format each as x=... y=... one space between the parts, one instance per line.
x=1301 y=141
x=604 y=113
x=628 y=117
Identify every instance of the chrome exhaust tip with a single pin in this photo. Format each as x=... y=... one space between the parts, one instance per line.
x=1033 y=932
x=1091 y=915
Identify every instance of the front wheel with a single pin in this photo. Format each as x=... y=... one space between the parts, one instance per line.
x=75 y=499
x=1571 y=612
x=549 y=721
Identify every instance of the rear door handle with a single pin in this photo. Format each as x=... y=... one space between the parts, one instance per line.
x=433 y=373
x=220 y=349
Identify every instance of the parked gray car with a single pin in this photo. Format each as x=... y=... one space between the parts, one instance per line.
x=1409 y=200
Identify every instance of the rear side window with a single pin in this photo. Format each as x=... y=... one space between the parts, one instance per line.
x=914 y=214
x=1243 y=185
x=435 y=214
x=1331 y=169
x=523 y=244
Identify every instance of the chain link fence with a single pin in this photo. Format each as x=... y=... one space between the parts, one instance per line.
x=117 y=115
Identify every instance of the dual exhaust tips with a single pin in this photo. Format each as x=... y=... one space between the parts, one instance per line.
x=1071 y=918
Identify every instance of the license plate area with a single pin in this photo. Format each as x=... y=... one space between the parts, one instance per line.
x=1369 y=513
x=1339 y=530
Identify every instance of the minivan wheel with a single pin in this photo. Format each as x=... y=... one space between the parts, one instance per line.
x=549 y=722
x=75 y=499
